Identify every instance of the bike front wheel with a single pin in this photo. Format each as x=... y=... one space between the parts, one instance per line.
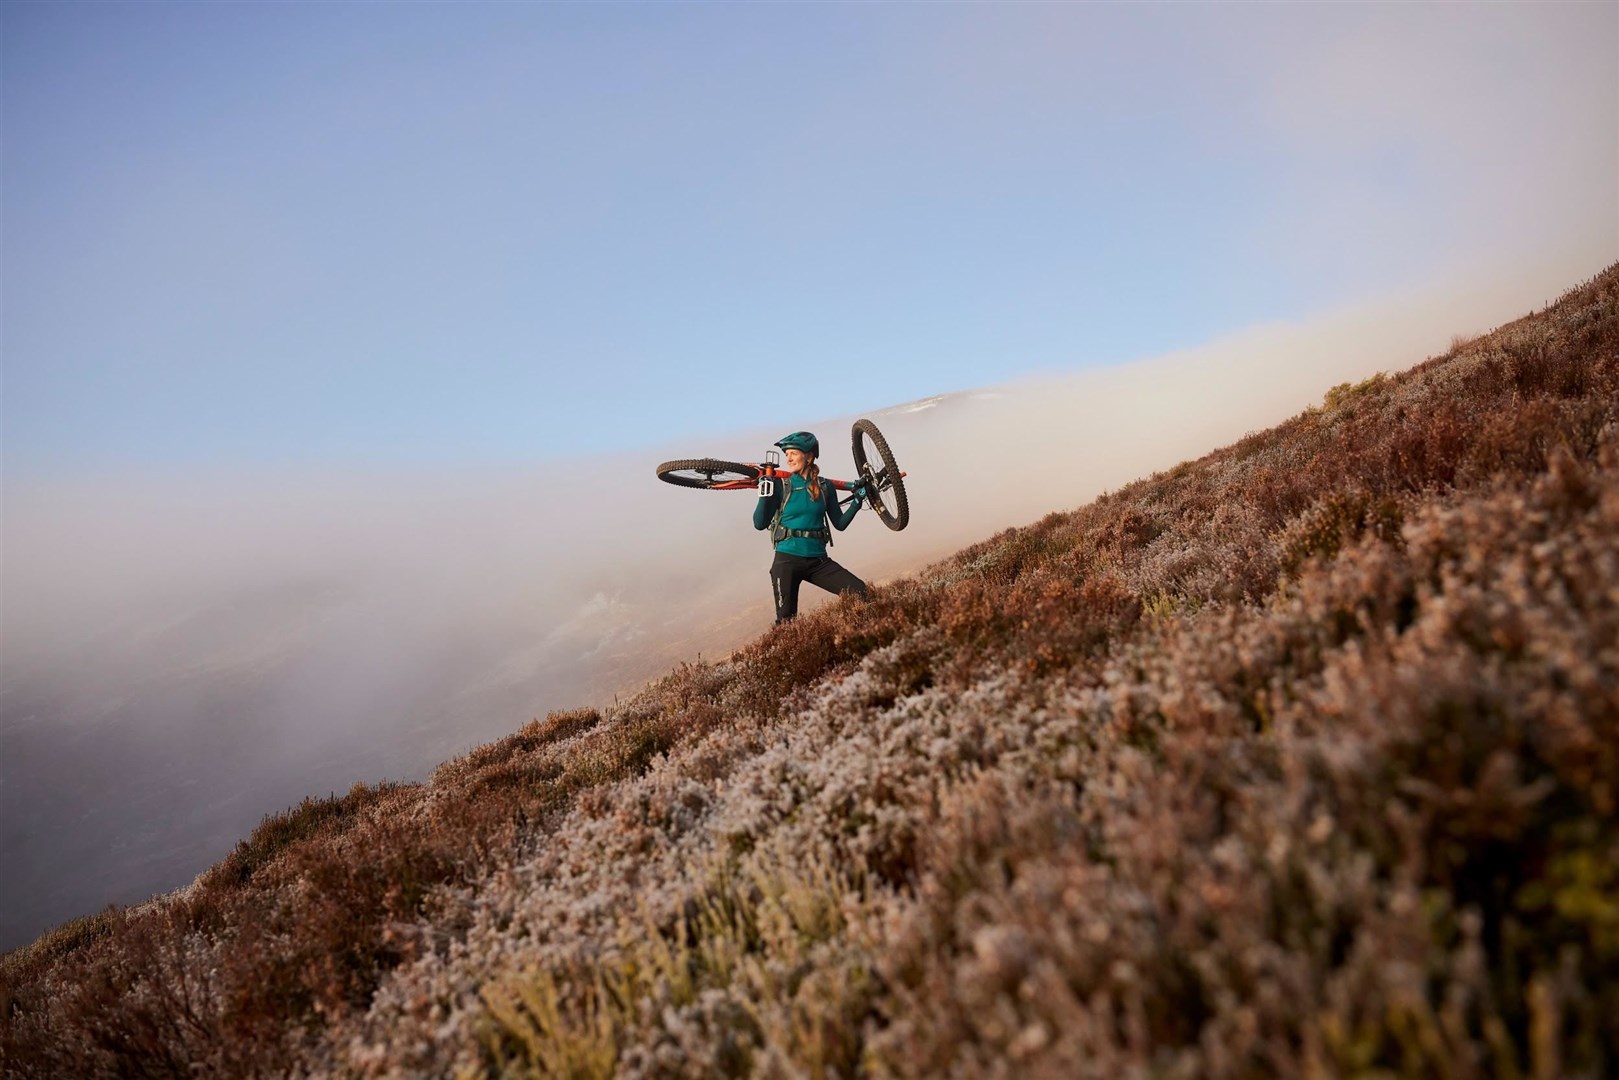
x=706 y=473
x=881 y=474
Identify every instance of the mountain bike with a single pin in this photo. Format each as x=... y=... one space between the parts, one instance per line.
x=880 y=474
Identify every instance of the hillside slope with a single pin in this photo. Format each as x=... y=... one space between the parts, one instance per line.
x=1299 y=759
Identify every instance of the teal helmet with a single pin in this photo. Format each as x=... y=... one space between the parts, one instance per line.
x=801 y=440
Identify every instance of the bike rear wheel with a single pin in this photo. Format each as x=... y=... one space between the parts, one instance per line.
x=885 y=485
x=705 y=472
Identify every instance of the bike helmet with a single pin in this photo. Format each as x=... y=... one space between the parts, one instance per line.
x=801 y=440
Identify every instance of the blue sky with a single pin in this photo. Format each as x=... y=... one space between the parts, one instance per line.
x=388 y=234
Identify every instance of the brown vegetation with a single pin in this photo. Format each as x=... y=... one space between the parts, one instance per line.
x=1300 y=759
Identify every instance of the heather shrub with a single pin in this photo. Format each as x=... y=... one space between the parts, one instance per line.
x=309 y=820
x=556 y=727
x=1345 y=394
x=1335 y=521
x=733 y=958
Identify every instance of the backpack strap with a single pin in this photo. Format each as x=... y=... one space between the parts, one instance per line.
x=777 y=533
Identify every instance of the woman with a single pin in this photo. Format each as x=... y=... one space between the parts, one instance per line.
x=796 y=509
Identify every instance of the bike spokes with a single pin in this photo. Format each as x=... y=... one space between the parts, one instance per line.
x=885 y=481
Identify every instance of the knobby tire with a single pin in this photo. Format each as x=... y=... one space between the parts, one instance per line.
x=887 y=477
x=705 y=473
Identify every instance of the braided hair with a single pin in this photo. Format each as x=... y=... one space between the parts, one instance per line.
x=811 y=473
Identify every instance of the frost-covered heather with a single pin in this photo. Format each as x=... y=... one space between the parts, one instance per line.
x=1299 y=760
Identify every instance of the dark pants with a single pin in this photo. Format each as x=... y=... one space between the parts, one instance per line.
x=789 y=570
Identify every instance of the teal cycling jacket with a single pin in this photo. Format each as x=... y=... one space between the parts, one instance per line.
x=803 y=512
